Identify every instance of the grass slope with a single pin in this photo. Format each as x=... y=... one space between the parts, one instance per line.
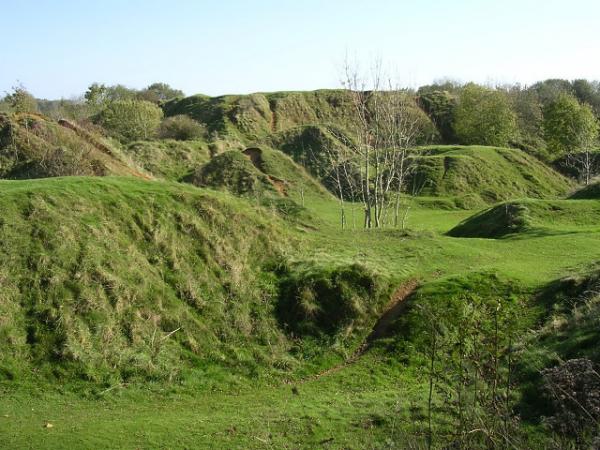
x=33 y=146
x=484 y=175
x=139 y=280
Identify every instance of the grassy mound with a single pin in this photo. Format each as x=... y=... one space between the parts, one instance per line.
x=164 y=282
x=254 y=118
x=232 y=171
x=257 y=172
x=591 y=191
x=169 y=159
x=140 y=280
x=545 y=216
x=32 y=146
x=484 y=174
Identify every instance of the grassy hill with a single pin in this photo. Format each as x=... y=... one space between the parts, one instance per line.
x=484 y=174
x=155 y=281
x=33 y=146
x=254 y=118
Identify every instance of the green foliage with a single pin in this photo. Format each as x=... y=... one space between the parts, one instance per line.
x=159 y=93
x=484 y=116
x=569 y=126
x=181 y=128
x=481 y=175
x=21 y=101
x=130 y=120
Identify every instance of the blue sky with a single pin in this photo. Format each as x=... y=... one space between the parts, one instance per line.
x=57 y=48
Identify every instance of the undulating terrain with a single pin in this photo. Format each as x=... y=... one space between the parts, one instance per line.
x=159 y=292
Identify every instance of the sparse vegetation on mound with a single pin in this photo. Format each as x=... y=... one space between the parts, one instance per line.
x=484 y=174
x=529 y=215
x=32 y=146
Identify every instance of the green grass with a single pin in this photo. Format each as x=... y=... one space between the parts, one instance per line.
x=220 y=381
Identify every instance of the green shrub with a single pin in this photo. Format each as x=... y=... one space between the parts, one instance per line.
x=181 y=128
x=130 y=120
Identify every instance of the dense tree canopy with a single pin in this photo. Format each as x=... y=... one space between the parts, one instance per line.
x=568 y=125
x=484 y=116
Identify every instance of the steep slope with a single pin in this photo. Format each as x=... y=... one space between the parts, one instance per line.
x=33 y=146
x=120 y=279
x=484 y=174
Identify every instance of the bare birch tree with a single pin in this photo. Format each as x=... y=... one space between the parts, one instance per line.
x=386 y=126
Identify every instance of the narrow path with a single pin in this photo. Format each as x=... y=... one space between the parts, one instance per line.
x=393 y=310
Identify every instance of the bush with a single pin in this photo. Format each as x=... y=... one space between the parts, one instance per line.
x=181 y=128
x=130 y=120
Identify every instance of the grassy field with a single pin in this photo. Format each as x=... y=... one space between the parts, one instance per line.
x=376 y=402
